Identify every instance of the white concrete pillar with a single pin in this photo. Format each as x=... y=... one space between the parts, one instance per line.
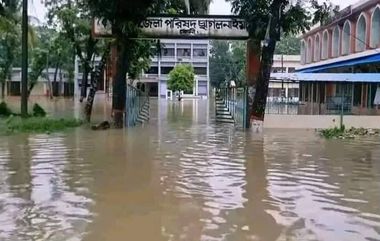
x=76 y=76
x=287 y=91
x=196 y=86
x=208 y=70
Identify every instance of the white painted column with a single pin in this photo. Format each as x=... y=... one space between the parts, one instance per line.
x=159 y=76
x=76 y=75
x=175 y=52
x=191 y=52
x=287 y=91
x=196 y=86
x=208 y=70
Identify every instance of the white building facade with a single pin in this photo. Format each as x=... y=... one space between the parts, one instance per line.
x=281 y=89
x=173 y=52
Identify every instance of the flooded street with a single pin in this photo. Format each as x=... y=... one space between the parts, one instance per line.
x=184 y=177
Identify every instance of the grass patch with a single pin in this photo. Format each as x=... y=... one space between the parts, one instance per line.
x=37 y=125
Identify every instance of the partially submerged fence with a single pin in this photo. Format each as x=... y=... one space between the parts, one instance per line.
x=136 y=100
x=235 y=99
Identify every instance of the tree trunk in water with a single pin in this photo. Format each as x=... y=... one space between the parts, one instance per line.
x=86 y=72
x=119 y=84
x=49 y=85
x=253 y=70
x=91 y=43
x=55 y=79
x=91 y=95
x=60 y=82
x=95 y=77
x=260 y=99
x=2 y=90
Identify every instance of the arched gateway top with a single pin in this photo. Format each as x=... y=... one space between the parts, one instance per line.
x=187 y=27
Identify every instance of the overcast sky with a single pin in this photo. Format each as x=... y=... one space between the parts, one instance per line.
x=36 y=7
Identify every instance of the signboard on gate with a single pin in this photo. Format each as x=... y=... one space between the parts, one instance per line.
x=205 y=27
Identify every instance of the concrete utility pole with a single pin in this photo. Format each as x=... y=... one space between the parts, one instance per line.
x=282 y=79
x=24 y=63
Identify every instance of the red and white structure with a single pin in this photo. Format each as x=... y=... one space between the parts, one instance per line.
x=353 y=33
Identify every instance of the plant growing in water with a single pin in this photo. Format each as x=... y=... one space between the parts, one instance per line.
x=332 y=132
x=4 y=109
x=38 y=111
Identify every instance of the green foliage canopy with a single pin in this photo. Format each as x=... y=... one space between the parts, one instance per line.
x=227 y=62
x=289 y=45
x=181 y=78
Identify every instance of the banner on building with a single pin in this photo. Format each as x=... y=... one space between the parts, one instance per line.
x=207 y=27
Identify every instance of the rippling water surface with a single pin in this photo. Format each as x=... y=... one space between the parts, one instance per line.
x=183 y=177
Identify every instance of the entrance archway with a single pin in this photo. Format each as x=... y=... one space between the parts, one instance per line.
x=202 y=27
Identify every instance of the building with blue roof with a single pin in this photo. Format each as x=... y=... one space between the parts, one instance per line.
x=340 y=63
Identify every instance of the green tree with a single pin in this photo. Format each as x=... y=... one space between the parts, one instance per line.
x=60 y=57
x=38 y=64
x=75 y=20
x=289 y=44
x=219 y=62
x=9 y=40
x=139 y=58
x=125 y=17
x=10 y=44
x=181 y=78
x=239 y=59
x=265 y=21
x=227 y=62
x=95 y=77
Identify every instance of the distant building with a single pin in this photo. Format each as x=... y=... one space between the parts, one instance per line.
x=62 y=87
x=284 y=90
x=194 y=52
x=348 y=43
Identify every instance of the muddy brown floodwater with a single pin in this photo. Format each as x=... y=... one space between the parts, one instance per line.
x=184 y=177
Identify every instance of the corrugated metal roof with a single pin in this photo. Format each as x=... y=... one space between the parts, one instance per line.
x=327 y=77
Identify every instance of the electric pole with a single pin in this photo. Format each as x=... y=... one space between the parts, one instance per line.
x=24 y=64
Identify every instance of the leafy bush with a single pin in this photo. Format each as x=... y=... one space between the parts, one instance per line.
x=38 y=111
x=332 y=132
x=4 y=110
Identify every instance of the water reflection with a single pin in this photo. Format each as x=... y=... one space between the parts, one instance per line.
x=183 y=177
x=39 y=202
x=315 y=190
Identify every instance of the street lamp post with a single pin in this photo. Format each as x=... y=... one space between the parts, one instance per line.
x=24 y=63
